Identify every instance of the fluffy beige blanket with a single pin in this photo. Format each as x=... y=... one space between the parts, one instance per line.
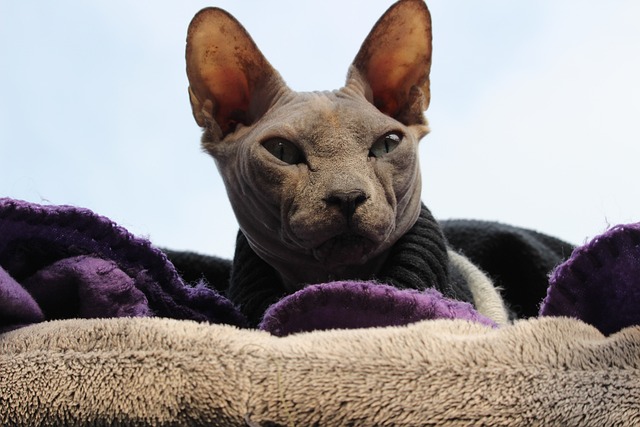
x=160 y=372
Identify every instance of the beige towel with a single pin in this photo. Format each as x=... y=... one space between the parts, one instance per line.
x=166 y=372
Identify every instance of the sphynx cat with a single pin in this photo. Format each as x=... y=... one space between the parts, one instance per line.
x=323 y=184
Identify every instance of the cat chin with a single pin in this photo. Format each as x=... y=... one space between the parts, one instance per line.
x=345 y=250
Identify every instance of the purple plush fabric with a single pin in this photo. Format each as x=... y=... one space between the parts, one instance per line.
x=352 y=304
x=88 y=287
x=600 y=282
x=62 y=262
x=17 y=307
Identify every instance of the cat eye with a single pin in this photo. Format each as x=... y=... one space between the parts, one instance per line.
x=385 y=144
x=284 y=150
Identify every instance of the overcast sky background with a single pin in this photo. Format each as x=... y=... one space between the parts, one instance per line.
x=534 y=113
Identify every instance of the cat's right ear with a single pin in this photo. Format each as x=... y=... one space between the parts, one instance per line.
x=230 y=80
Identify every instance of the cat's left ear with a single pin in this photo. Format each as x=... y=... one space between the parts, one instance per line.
x=394 y=62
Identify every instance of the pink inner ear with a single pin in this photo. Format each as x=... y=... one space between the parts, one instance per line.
x=231 y=86
x=392 y=76
x=383 y=76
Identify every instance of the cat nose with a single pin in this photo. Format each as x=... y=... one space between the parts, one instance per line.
x=347 y=201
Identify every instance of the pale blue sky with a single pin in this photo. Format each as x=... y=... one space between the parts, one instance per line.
x=533 y=115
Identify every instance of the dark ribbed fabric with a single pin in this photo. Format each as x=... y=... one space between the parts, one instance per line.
x=254 y=285
x=418 y=260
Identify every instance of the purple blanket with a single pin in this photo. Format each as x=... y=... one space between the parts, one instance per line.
x=60 y=262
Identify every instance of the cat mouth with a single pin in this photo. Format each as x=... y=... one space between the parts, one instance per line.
x=344 y=250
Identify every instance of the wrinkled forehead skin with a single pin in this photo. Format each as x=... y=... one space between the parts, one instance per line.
x=330 y=124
